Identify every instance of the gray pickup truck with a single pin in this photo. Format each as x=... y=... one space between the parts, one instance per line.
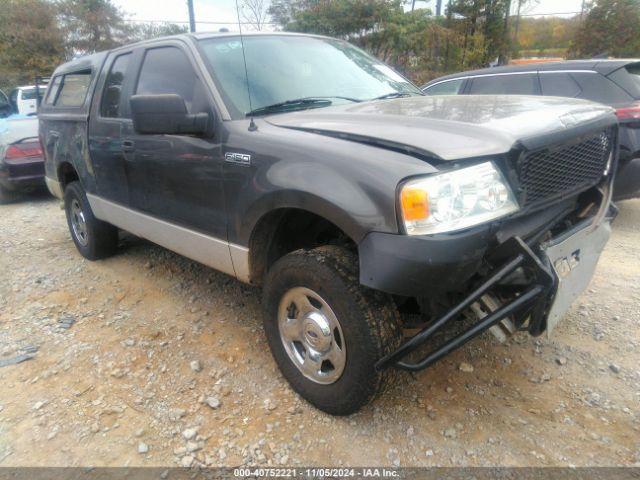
x=303 y=165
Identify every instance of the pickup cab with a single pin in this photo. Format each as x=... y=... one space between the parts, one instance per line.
x=303 y=165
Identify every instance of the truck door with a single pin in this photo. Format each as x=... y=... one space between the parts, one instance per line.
x=177 y=178
x=110 y=116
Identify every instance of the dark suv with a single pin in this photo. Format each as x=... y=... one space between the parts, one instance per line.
x=303 y=165
x=611 y=82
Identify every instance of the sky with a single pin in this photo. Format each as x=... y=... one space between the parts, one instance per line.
x=215 y=14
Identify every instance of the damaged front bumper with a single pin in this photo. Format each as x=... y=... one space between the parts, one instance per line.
x=558 y=271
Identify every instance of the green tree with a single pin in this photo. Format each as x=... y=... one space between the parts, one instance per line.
x=611 y=27
x=545 y=36
x=337 y=18
x=483 y=26
x=282 y=11
x=145 y=31
x=31 y=43
x=92 y=25
x=415 y=42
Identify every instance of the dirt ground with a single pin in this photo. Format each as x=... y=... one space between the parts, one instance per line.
x=150 y=359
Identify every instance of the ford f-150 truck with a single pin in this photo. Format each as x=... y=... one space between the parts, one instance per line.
x=301 y=164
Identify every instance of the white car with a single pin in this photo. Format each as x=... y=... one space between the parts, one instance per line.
x=24 y=100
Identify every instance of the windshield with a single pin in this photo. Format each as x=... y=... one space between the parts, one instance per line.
x=285 y=68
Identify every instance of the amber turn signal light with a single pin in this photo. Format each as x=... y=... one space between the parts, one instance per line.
x=415 y=203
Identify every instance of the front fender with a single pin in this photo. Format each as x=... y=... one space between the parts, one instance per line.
x=350 y=184
x=315 y=189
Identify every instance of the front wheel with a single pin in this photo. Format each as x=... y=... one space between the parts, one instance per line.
x=326 y=331
x=94 y=238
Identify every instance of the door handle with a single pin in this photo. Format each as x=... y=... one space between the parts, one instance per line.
x=128 y=146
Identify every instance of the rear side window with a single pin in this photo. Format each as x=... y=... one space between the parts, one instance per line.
x=450 y=87
x=52 y=92
x=600 y=89
x=558 y=84
x=111 y=98
x=526 y=84
x=628 y=78
x=74 y=89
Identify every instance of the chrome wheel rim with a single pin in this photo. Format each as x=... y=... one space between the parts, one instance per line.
x=311 y=335
x=78 y=223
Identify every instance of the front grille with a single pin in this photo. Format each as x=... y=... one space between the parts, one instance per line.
x=552 y=172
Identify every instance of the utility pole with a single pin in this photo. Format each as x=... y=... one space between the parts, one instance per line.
x=517 y=26
x=192 y=17
x=438 y=8
x=504 y=55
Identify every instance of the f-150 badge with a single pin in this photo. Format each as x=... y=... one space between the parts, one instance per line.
x=238 y=158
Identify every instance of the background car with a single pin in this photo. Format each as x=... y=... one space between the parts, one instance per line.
x=21 y=160
x=24 y=99
x=612 y=82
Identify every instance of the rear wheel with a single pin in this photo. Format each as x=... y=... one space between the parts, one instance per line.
x=326 y=331
x=94 y=238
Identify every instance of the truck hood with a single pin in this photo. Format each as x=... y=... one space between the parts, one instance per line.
x=447 y=127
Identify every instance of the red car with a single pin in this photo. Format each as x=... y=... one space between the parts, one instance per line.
x=21 y=160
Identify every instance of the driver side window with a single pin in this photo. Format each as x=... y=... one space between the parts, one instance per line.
x=168 y=70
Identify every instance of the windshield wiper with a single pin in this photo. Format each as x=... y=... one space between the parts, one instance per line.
x=299 y=103
x=391 y=95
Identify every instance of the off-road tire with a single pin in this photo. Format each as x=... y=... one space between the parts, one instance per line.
x=369 y=320
x=102 y=237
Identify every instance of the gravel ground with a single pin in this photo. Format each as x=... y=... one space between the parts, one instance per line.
x=150 y=359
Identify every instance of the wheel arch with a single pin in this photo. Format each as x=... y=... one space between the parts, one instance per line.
x=287 y=228
x=66 y=174
x=66 y=152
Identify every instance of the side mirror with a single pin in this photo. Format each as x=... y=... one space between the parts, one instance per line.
x=166 y=114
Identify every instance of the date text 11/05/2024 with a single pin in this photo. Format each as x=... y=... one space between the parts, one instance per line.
x=317 y=472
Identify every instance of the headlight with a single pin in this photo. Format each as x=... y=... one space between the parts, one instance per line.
x=455 y=200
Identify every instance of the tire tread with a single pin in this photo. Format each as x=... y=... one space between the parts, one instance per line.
x=103 y=237
x=380 y=334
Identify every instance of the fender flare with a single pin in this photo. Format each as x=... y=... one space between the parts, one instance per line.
x=299 y=200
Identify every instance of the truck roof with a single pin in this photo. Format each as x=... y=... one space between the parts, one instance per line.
x=86 y=62
x=91 y=61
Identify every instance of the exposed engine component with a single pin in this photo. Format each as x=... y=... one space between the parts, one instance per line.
x=489 y=303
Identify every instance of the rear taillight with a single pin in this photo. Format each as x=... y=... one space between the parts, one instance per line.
x=632 y=112
x=23 y=150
